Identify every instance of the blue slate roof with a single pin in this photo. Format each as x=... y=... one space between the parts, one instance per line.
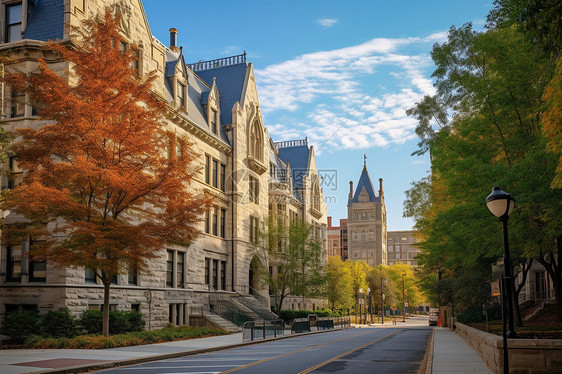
x=46 y=21
x=365 y=181
x=297 y=157
x=230 y=82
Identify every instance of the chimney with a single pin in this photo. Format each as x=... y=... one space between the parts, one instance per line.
x=174 y=40
x=329 y=222
x=351 y=189
x=380 y=186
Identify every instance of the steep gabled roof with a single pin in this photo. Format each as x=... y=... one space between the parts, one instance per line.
x=46 y=21
x=365 y=182
x=230 y=82
x=298 y=158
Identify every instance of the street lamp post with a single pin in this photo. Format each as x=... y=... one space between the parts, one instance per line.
x=382 y=303
x=368 y=305
x=501 y=204
x=403 y=299
x=360 y=302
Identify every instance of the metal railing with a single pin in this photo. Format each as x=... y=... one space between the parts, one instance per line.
x=300 y=325
x=253 y=330
x=536 y=298
x=231 y=314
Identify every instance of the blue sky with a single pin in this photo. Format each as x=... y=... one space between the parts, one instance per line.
x=341 y=73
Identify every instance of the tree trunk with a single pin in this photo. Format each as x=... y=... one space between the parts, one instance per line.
x=517 y=291
x=554 y=269
x=106 y=285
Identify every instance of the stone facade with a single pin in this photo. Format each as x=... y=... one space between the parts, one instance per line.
x=220 y=114
x=401 y=247
x=366 y=222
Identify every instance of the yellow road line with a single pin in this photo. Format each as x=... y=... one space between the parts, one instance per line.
x=291 y=353
x=346 y=353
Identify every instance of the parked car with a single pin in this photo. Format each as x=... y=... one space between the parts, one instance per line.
x=433 y=316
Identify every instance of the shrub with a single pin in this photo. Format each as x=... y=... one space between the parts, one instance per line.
x=91 y=321
x=119 y=321
x=59 y=324
x=20 y=326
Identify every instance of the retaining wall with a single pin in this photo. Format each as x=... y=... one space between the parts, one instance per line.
x=526 y=356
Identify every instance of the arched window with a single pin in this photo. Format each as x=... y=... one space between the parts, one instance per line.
x=256 y=142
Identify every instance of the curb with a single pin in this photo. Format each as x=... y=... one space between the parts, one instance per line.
x=164 y=356
x=429 y=354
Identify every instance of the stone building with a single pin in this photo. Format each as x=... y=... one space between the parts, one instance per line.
x=366 y=225
x=215 y=104
x=402 y=247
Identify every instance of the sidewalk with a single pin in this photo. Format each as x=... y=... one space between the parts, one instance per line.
x=452 y=355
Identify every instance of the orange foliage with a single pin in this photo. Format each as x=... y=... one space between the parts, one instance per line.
x=102 y=163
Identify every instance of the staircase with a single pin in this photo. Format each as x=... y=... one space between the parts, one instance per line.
x=220 y=322
x=257 y=307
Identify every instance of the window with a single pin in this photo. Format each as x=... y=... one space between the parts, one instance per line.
x=215 y=221
x=133 y=277
x=89 y=275
x=223 y=177
x=253 y=229
x=135 y=308
x=215 y=176
x=13 y=22
x=180 y=278
x=169 y=268
x=254 y=189
x=223 y=275
x=175 y=268
x=207 y=169
x=135 y=53
x=13 y=267
x=207 y=222
x=223 y=223
x=15 y=176
x=17 y=104
x=37 y=271
x=256 y=142
x=215 y=275
x=181 y=96
x=213 y=121
x=411 y=240
x=207 y=270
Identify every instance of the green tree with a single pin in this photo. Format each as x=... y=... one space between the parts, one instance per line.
x=295 y=256
x=339 y=289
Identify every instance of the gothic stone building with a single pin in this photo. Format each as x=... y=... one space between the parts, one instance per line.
x=215 y=104
x=366 y=222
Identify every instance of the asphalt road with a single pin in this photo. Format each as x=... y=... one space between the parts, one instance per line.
x=360 y=350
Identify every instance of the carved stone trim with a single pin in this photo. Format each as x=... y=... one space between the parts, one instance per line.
x=256 y=165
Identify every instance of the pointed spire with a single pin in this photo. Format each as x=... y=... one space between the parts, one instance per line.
x=364 y=162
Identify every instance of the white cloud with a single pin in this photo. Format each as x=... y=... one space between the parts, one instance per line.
x=327 y=22
x=353 y=97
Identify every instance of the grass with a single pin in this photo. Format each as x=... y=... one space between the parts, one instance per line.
x=122 y=340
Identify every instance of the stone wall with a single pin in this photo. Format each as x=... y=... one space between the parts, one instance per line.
x=526 y=356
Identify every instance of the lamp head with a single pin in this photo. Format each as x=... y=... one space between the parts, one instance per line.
x=500 y=203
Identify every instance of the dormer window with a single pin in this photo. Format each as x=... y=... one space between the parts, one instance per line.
x=13 y=22
x=181 y=96
x=213 y=121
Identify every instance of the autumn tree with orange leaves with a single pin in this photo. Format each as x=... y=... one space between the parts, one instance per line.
x=107 y=182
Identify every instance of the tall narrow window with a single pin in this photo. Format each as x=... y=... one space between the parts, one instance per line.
x=253 y=191
x=181 y=96
x=213 y=115
x=180 y=279
x=133 y=277
x=13 y=268
x=207 y=270
x=223 y=223
x=223 y=178
x=207 y=169
x=37 y=268
x=215 y=221
x=169 y=268
x=13 y=22
x=207 y=222
x=223 y=275
x=215 y=275
x=215 y=175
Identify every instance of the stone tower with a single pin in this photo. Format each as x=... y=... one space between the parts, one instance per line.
x=366 y=225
